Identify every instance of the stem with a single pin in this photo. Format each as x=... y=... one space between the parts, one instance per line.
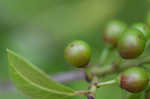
x=120 y=66
x=91 y=93
x=81 y=93
x=102 y=71
x=70 y=76
x=108 y=69
x=92 y=88
x=105 y=53
x=88 y=74
x=111 y=82
x=135 y=62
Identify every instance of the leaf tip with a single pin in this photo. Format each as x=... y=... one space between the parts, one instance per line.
x=8 y=50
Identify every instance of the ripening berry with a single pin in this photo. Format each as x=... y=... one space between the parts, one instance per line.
x=78 y=53
x=113 y=32
x=134 y=79
x=131 y=44
x=145 y=29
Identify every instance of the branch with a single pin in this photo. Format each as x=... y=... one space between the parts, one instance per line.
x=118 y=67
x=92 y=88
x=69 y=76
x=136 y=62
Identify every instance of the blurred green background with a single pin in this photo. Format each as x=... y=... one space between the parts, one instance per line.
x=40 y=29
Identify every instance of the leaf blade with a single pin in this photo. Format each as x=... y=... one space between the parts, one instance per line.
x=32 y=81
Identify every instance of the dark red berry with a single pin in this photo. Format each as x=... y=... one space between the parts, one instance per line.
x=134 y=79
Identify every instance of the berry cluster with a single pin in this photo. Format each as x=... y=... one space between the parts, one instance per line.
x=130 y=43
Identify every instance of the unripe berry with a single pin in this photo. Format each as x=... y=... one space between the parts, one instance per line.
x=113 y=32
x=78 y=53
x=134 y=79
x=143 y=28
x=132 y=44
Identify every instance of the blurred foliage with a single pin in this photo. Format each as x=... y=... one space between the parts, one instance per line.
x=12 y=95
x=40 y=29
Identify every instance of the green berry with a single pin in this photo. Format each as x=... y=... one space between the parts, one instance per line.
x=131 y=44
x=113 y=32
x=134 y=80
x=143 y=28
x=78 y=53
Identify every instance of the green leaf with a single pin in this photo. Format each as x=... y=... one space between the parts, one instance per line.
x=34 y=83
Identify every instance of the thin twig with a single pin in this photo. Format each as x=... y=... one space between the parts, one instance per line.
x=111 y=82
x=69 y=76
x=109 y=69
x=92 y=88
x=82 y=93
